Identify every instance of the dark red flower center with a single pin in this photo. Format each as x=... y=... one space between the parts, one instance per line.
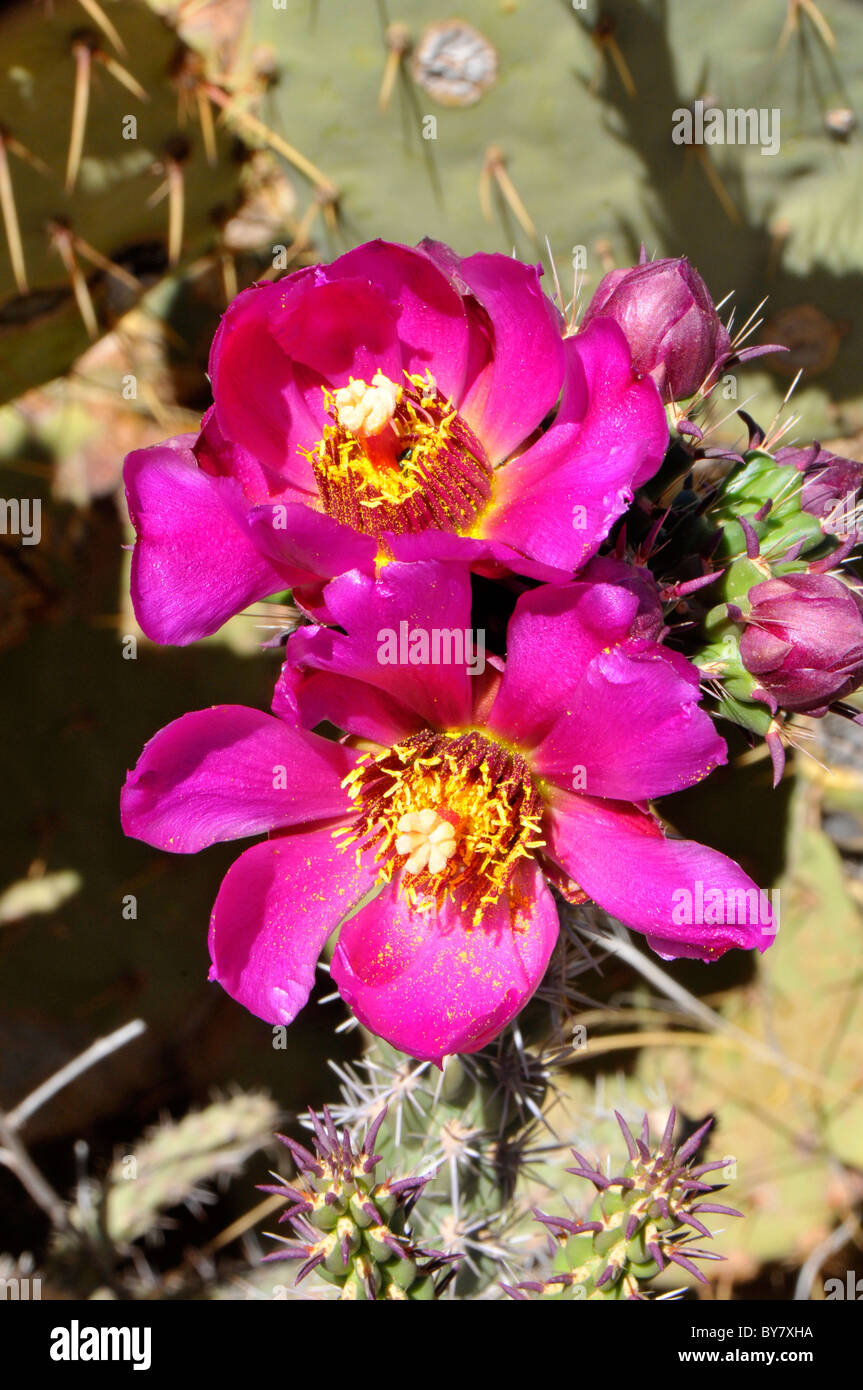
x=453 y=814
x=399 y=458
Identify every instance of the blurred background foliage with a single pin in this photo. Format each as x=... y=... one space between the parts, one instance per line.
x=156 y=157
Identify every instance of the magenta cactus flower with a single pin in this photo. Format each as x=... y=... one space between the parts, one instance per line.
x=392 y=404
x=671 y=325
x=803 y=640
x=462 y=791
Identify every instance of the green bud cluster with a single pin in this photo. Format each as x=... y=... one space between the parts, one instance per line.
x=763 y=533
x=638 y=1223
x=352 y=1228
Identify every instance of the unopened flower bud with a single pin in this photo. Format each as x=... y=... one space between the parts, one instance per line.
x=803 y=640
x=831 y=485
x=669 y=320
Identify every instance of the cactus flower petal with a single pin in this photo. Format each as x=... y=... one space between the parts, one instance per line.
x=381 y=619
x=258 y=405
x=300 y=539
x=516 y=336
x=432 y=984
x=276 y=907
x=227 y=772
x=431 y=324
x=632 y=727
x=688 y=900
x=553 y=635
x=183 y=521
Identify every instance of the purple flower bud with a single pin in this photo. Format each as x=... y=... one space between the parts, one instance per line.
x=831 y=484
x=804 y=640
x=672 y=327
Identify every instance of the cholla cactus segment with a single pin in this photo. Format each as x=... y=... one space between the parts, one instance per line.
x=750 y=553
x=768 y=497
x=785 y=634
x=475 y=1129
x=638 y=1223
x=121 y=176
x=172 y=1164
x=351 y=1226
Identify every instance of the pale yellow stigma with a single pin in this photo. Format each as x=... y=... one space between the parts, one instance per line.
x=427 y=839
x=364 y=410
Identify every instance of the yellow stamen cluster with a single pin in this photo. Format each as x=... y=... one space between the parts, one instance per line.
x=398 y=458
x=452 y=814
